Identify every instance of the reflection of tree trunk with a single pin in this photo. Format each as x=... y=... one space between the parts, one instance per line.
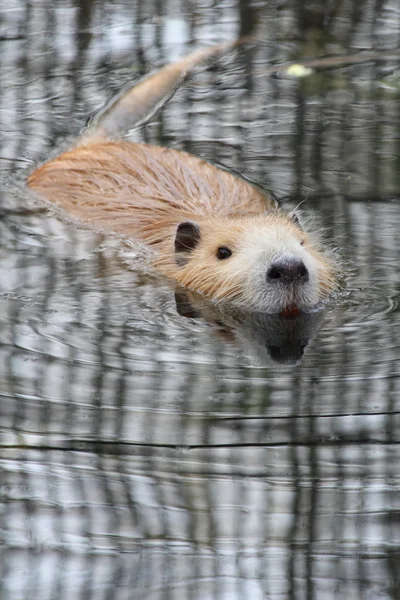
x=316 y=21
x=393 y=559
x=311 y=15
x=83 y=37
x=313 y=29
x=83 y=33
x=318 y=15
x=247 y=16
x=247 y=22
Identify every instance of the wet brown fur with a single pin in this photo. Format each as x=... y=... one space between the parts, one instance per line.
x=141 y=190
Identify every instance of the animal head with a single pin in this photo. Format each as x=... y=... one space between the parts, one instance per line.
x=266 y=262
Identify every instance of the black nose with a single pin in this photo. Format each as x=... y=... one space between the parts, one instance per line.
x=287 y=270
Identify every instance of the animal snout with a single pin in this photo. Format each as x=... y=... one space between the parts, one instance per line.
x=287 y=269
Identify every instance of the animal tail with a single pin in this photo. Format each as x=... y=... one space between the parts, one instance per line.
x=135 y=106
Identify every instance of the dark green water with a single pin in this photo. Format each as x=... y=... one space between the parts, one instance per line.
x=153 y=456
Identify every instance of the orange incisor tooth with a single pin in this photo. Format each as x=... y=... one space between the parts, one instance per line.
x=290 y=311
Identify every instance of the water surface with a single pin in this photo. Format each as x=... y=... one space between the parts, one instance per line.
x=146 y=454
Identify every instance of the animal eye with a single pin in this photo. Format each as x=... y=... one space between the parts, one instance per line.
x=296 y=220
x=223 y=252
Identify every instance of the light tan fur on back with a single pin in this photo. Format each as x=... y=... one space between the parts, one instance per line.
x=141 y=190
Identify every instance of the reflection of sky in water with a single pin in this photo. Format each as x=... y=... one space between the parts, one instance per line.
x=144 y=453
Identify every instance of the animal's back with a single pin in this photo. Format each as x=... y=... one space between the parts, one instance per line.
x=141 y=190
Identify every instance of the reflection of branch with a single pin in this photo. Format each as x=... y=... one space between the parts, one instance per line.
x=330 y=61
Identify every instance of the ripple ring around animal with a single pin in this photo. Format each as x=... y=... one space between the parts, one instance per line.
x=211 y=231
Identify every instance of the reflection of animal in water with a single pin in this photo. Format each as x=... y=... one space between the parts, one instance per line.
x=212 y=232
x=262 y=335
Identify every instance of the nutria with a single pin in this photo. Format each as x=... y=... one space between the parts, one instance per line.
x=211 y=231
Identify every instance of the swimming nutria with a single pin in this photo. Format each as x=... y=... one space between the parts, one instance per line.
x=212 y=232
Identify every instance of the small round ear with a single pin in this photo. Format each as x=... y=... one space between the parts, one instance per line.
x=187 y=236
x=295 y=220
